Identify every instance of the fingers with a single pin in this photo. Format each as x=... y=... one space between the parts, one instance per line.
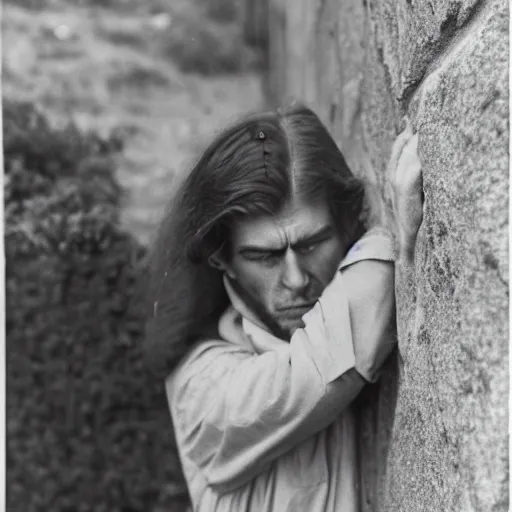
x=409 y=217
x=411 y=145
x=399 y=144
x=397 y=148
x=405 y=125
x=407 y=132
x=408 y=167
x=402 y=124
x=406 y=181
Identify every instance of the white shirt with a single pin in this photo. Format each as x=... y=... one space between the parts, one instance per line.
x=265 y=425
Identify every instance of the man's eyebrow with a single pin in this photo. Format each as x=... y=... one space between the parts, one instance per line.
x=300 y=242
x=257 y=248
x=314 y=237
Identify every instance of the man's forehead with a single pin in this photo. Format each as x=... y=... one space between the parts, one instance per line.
x=293 y=223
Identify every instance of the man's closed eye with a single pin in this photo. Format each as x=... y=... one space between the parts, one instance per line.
x=265 y=256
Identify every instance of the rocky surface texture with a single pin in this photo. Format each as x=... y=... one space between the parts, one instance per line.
x=434 y=432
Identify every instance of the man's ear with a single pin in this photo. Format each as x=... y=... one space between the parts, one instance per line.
x=218 y=262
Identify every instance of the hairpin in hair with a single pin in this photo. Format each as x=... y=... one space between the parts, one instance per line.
x=262 y=137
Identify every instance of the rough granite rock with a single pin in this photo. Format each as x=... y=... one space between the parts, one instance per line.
x=433 y=433
x=451 y=422
x=411 y=34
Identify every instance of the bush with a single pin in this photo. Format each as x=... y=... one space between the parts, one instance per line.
x=36 y=5
x=200 y=45
x=222 y=10
x=88 y=428
x=139 y=78
x=124 y=37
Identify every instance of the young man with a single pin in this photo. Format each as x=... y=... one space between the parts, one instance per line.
x=273 y=306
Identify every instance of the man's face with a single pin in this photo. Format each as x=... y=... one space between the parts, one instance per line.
x=282 y=263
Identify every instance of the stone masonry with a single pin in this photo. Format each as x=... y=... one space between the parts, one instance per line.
x=434 y=432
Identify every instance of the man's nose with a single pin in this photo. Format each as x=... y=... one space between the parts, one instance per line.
x=295 y=276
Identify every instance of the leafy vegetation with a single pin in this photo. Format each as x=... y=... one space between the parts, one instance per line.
x=88 y=428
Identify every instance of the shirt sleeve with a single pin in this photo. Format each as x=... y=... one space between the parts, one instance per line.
x=372 y=294
x=376 y=244
x=235 y=412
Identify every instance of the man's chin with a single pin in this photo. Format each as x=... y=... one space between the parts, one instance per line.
x=289 y=326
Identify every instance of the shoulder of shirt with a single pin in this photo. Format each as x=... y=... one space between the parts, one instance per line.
x=190 y=386
x=203 y=354
x=376 y=244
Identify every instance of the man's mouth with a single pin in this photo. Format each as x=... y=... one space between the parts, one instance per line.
x=297 y=309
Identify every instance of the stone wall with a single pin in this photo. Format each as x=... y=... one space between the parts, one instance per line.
x=434 y=433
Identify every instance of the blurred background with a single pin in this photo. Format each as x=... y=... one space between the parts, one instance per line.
x=161 y=74
x=104 y=103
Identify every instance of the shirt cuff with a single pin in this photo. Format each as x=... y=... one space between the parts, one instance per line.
x=375 y=245
x=329 y=334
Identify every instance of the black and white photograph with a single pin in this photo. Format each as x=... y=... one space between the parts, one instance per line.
x=256 y=255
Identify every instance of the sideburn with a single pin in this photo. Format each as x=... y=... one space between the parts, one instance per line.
x=260 y=312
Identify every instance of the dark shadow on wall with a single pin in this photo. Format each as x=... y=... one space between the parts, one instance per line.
x=375 y=414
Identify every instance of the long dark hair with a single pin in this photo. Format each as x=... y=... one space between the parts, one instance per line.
x=253 y=167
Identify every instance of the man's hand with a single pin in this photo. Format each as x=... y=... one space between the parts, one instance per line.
x=405 y=178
